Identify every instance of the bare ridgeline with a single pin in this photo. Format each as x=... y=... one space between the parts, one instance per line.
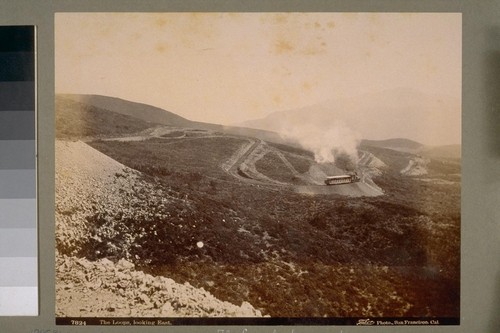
x=161 y=217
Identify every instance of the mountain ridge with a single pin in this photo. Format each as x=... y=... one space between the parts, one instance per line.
x=156 y=115
x=147 y=112
x=137 y=116
x=426 y=118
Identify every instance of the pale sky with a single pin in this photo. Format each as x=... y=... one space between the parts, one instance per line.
x=229 y=67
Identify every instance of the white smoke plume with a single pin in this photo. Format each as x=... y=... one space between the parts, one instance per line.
x=326 y=142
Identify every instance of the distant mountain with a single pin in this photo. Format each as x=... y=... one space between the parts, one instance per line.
x=405 y=145
x=410 y=146
x=397 y=113
x=448 y=152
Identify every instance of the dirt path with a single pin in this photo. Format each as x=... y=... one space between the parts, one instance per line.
x=287 y=163
x=167 y=133
x=238 y=157
x=241 y=165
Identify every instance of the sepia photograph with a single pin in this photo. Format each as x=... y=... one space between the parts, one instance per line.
x=258 y=168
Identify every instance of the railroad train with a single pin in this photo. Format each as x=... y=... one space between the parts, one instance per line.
x=342 y=179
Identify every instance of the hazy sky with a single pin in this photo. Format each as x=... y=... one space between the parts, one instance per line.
x=227 y=68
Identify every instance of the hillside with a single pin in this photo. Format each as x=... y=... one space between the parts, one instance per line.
x=396 y=144
x=76 y=120
x=86 y=108
x=88 y=183
x=251 y=222
x=223 y=208
x=144 y=112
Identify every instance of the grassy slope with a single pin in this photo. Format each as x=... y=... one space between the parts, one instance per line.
x=334 y=255
x=273 y=167
x=142 y=112
x=77 y=120
x=174 y=157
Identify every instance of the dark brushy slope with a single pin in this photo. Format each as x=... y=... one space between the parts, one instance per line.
x=289 y=254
